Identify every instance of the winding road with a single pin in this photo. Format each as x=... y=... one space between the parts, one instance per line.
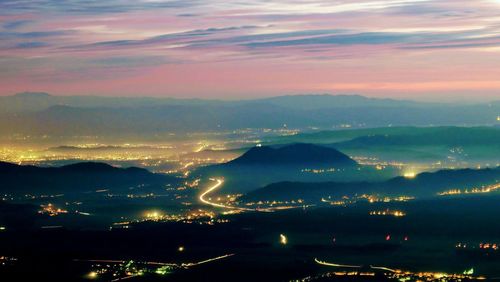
x=218 y=183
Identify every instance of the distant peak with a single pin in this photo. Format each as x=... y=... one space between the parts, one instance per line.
x=297 y=153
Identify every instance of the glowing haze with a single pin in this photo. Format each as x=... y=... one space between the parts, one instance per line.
x=242 y=49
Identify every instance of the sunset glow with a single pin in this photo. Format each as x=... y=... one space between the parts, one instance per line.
x=420 y=49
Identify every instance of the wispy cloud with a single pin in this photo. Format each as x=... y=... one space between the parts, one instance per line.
x=161 y=39
x=91 y=6
x=31 y=44
x=15 y=24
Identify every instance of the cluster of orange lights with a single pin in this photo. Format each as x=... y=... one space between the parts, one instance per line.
x=51 y=210
x=375 y=199
x=488 y=246
x=483 y=246
x=388 y=212
x=477 y=190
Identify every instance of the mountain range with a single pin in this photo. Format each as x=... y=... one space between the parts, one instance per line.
x=39 y=101
x=44 y=114
x=427 y=184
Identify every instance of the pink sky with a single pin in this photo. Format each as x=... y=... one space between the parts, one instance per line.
x=417 y=49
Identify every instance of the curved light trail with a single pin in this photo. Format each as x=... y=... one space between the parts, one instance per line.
x=206 y=261
x=383 y=268
x=353 y=266
x=335 y=264
x=203 y=146
x=210 y=190
x=219 y=183
x=188 y=264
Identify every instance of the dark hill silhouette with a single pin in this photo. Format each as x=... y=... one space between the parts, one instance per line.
x=423 y=185
x=79 y=177
x=295 y=154
x=260 y=166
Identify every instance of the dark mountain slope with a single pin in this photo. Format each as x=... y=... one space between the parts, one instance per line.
x=423 y=185
x=295 y=154
x=264 y=165
x=79 y=177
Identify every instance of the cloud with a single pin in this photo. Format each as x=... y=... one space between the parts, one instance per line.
x=477 y=43
x=91 y=6
x=128 y=61
x=122 y=38
x=16 y=24
x=187 y=37
x=32 y=44
x=372 y=38
x=33 y=34
x=73 y=69
x=409 y=40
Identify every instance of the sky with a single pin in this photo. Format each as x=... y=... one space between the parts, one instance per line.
x=418 y=49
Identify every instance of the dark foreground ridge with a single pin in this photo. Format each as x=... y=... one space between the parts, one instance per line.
x=76 y=177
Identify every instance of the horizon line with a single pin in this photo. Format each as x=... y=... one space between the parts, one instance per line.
x=425 y=99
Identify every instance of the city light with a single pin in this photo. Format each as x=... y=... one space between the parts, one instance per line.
x=394 y=213
x=410 y=174
x=396 y=274
x=92 y=275
x=153 y=215
x=283 y=239
x=473 y=190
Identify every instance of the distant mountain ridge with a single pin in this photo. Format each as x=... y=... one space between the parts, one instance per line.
x=43 y=114
x=38 y=101
x=457 y=133
x=451 y=136
x=321 y=101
